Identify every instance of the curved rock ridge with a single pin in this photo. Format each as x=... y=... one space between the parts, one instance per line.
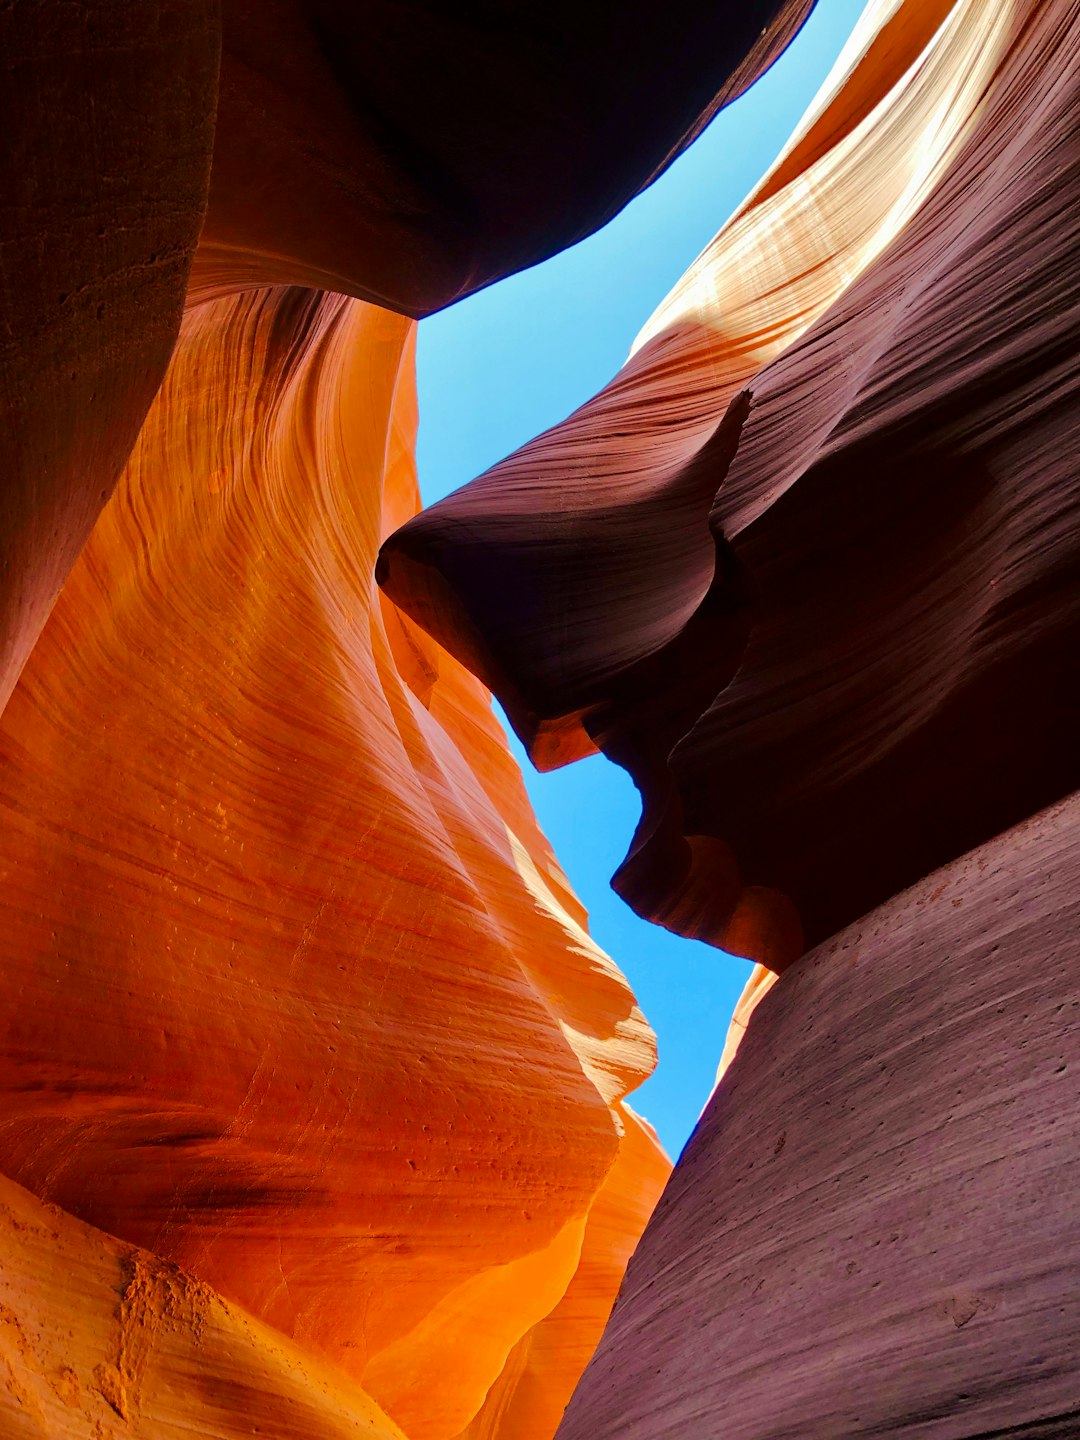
x=808 y=566
x=98 y=1338
x=761 y=981
x=299 y=998
x=873 y=1230
x=405 y=153
x=541 y=1371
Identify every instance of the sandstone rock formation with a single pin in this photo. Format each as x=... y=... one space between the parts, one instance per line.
x=299 y=998
x=100 y=1339
x=814 y=550
x=528 y=1398
x=410 y=153
x=873 y=1231
x=405 y=153
x=812 y=562
x=313 y=1085
x=301 y=1001
x=98 y=225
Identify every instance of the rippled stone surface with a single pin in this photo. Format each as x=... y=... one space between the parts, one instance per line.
x=313 y=1083
x=808 y=566
x=299 y=998
x=405 y=153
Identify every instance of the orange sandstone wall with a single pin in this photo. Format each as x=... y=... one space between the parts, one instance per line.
x=541 y=1371
x=817 y=550
x=299 y=999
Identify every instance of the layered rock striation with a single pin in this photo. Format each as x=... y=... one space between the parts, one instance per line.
x=98 y=1338
x=301 y=1001
x=407 y=154
x=313 y=1083
x=411 y=153
x=808 y=568
x=306 y=1040
x=98 y=226
x=811 y=556
x=873 y=1229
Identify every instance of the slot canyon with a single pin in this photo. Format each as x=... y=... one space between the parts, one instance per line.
x=317 y=1112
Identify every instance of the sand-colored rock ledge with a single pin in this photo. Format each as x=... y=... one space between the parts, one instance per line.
x=100 y=1340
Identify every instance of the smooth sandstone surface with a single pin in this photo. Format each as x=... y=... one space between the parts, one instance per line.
x=808 y=566
x=299 y=999
x=310 y=1070
x=873 y=1230
x=528 y=1398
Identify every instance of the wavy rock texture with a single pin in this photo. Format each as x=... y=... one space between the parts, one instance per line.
x=406 y=153
x=808 y=567
x=541 y=1371
x=418 y=152
x=312 y=1074
x=873 y=1230
x=100 y=1339
x=299 y=999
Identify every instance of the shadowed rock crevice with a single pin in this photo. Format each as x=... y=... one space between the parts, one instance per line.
x=419 y=152
x=488 y=590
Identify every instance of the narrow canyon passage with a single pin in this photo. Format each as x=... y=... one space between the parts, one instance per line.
x=506 y=364
x=684 y=401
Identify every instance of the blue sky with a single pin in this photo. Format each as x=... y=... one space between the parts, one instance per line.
x=495 y=370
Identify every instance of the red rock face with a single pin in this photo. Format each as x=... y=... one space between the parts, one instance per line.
x=306 y=1037
x=823 y=606
x=313 y=1082
x=873 y=1230
x=812 y=563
